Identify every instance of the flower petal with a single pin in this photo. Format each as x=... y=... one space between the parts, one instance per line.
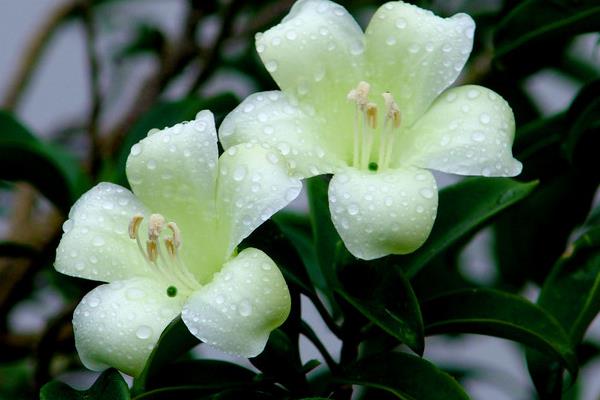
x=415 y=55
x=271 y=118
x=315 y=52
x=118 y=324
x=253 y=184
x=95 y=244
x=173 y=172
x=469 y=130
x=245 y=301
x=388 y=212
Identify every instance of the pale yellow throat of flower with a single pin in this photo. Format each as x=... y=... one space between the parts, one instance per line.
x=163 y=256
x=365 y=128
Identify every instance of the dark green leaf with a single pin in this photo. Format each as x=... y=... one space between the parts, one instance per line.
x=583 y=139
x=500 y=314
x=281 y=360
x=572 y=295
x=51 y=170
x=175 y=340
x=163 y=115
x=406 y=376
x=110 y=385
x=148 y=39
x=381 y=293
x=463 y=208
x=325 y=236
x=534 y=24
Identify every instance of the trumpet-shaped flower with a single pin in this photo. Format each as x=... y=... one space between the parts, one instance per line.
x=170 y=247
x=375 y=110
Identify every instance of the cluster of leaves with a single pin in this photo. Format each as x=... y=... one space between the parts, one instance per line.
x=373 y=308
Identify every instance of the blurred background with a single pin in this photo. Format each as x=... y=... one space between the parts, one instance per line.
x=89 y=78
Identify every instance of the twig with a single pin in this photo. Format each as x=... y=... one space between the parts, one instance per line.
x=211 y=58
x=308 y=332
x=94 y=74
x=33 y=52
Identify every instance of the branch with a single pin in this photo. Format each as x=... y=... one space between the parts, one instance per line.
x=33 y=52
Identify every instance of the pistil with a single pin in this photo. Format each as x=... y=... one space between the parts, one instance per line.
x=163 y=257
x=365 y=128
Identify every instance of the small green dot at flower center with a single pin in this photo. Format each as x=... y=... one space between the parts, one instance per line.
x=373 y=166
x=171 y=291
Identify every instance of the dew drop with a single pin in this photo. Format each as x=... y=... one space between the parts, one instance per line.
x=143 y=332
x=239 y=173
x=427 y=193
x=284 y=148
x=219 y=299
x=136 y=149
x=268 y=130
x=414 y=48
x=420 y=209
x=357 y=48
x=67 y=226
x=353 y=209
x=390 y=41
x=134 y=294
x=484 y=118
x=79 y=265
x=473 y=94
x=271 y=66
x=400 y=23
x=245 y=308
x=478 y=136
x=98 y=241
x=291 y=35
x=93 y=301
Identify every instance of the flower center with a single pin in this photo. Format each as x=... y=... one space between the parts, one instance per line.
x=163 y=255
x=365 y=128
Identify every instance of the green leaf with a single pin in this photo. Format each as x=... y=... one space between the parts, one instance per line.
x=162 y=115
x=175 y=341
x=280 y=360
x=404 y=375
x=534 y=24
x=23 y=157
x=147 y=39
x=381 y=293
x=583 y=139
x=110 y=385
x=325 y=236
x=572 y=295
x=463 y=208
x=496 y=313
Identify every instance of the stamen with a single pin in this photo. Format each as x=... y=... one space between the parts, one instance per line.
x=387 y=137
x=176 y=234
x=134 y=225
x=360 y=96
x=155 y=226
x=370 y=119
x=152 y=250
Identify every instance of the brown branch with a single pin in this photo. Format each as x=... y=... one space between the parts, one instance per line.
x=94 y=74
x=33 y=52
x=175 y=58
x=211 y=55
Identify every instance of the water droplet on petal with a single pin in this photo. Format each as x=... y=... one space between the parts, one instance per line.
x=143 y=332
x=239 y=173
x=400 y=23
x=271 y=66
x=478 y=136
x=484 y=118
x=136 y=149
x=98 y=241
x=427 y=193
x=245 y=308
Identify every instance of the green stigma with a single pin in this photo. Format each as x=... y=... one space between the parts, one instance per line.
x=171 y=291
x=373 y=166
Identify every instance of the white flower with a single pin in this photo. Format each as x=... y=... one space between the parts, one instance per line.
x=170 y=248
x=375 y=110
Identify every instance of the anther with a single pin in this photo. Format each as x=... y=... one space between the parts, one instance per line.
x=360 y=95
x=152 y=250
x=155 y=226
x=392 y=109
x=371 y=115
x=134 y=225
x=176 y=234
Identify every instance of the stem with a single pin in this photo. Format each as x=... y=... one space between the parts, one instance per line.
x=33 y=52
x=307 y=331
x=333 y=327
x=94 y=73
